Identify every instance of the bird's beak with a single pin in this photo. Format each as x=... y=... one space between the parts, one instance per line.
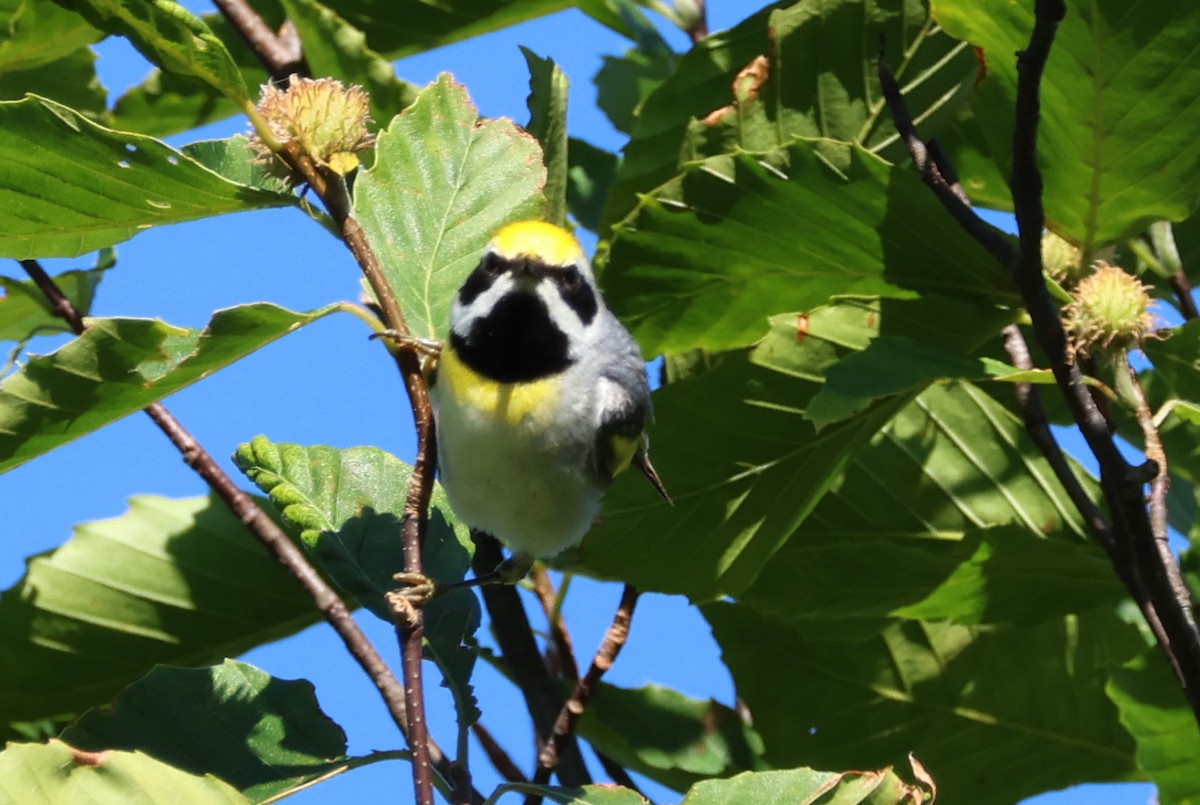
x=528 y=272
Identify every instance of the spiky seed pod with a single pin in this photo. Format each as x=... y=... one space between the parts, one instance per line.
x=327 y=119
x=1063 y=261
x=1110 y=309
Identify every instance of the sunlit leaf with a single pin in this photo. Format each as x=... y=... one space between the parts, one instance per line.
x=54 y=773
x=71 y=186
x=118 y=367
x=548 y=89
x=443 y=182
x=170 y=581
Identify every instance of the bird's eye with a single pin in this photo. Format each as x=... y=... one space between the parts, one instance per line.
x=492 y=265
x=569 y=278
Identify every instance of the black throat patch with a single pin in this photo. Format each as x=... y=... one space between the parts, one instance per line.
x=515 y=343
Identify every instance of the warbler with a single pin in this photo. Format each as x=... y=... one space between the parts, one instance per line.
x=540 y=396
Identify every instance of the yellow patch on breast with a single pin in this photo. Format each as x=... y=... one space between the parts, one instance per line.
x=511 y=403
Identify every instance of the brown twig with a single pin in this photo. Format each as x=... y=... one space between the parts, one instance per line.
x=1183 y=292
x=280 y=54
x=1130 y=542
x=510 y=627
x=1122 y=483
x=564 y=664
x=564 y=726
x=291 y=557
x=496 y=754
x=699 y=27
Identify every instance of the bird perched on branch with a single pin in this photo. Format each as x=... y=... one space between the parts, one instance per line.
x=540 y=396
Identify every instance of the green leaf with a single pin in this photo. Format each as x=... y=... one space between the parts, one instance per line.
x=70 y=80
x=804 y=785
x=740 y=491
x=54 y=773
x=167 y=103
x=548 y=88
x=903 y=528
x=170 y=581
x=670 y=738
x=443 y=182
x=588 y=795
x=1132 y=159
x=333 y=47
x=400 y=28
x=589 y=179
x=234 y=159
x=265 y=736
x=348 y=506
x=171 y=37
x=120 y=366
x=815 y=78
x=708 y=257
x=34 y=33
x=624 y=82
x=1154 y=711
x=72 y=186
x=995 y=715
x=24 y=311
x=1176 y=360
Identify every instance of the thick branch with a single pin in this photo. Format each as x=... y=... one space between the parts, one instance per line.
x=564 y=726
x=1121 y=482
x=510 y=626
x=496 y=754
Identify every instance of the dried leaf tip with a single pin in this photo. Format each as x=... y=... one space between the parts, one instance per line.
x=327 y=119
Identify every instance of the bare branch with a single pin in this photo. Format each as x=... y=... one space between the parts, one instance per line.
x=563 y=646
x=510 y=626
x=564 y=726
x=496 y=754
x=1183 y=292
x=281 y=54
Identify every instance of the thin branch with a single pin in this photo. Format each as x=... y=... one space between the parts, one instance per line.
x=564 y=726
x=496 y=754
x=510 y=627
x=618 y=774
x=263 y=528
x=564 y=664
x=1183 y=292
x=699 y=27
x=1037 y=425
x=281 y=54
x=1122 y=483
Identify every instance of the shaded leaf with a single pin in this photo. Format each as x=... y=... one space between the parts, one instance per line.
x=35 y=33
x=1176 y=360
x=54 y=773
x=708 y=257
x=1132 y=159
x=814 y=77
x=348 y=506
x=170 y=581
x=589 y=179
x=739 y=492
x=70 y=80
x=234 y=159
x=903 y=529
x=547 y=102
x=118 y=367
x=24 y=311
x=1154 y=711
x=171 y=37
x=72 y=186
x=333 y=47
x=624 y=82
x=995 y=715
x=264 y=736
x=671 y=738
x=588 y=795
x=443 y=182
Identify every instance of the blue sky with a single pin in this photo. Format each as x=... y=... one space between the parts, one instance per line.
x=327 y=384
